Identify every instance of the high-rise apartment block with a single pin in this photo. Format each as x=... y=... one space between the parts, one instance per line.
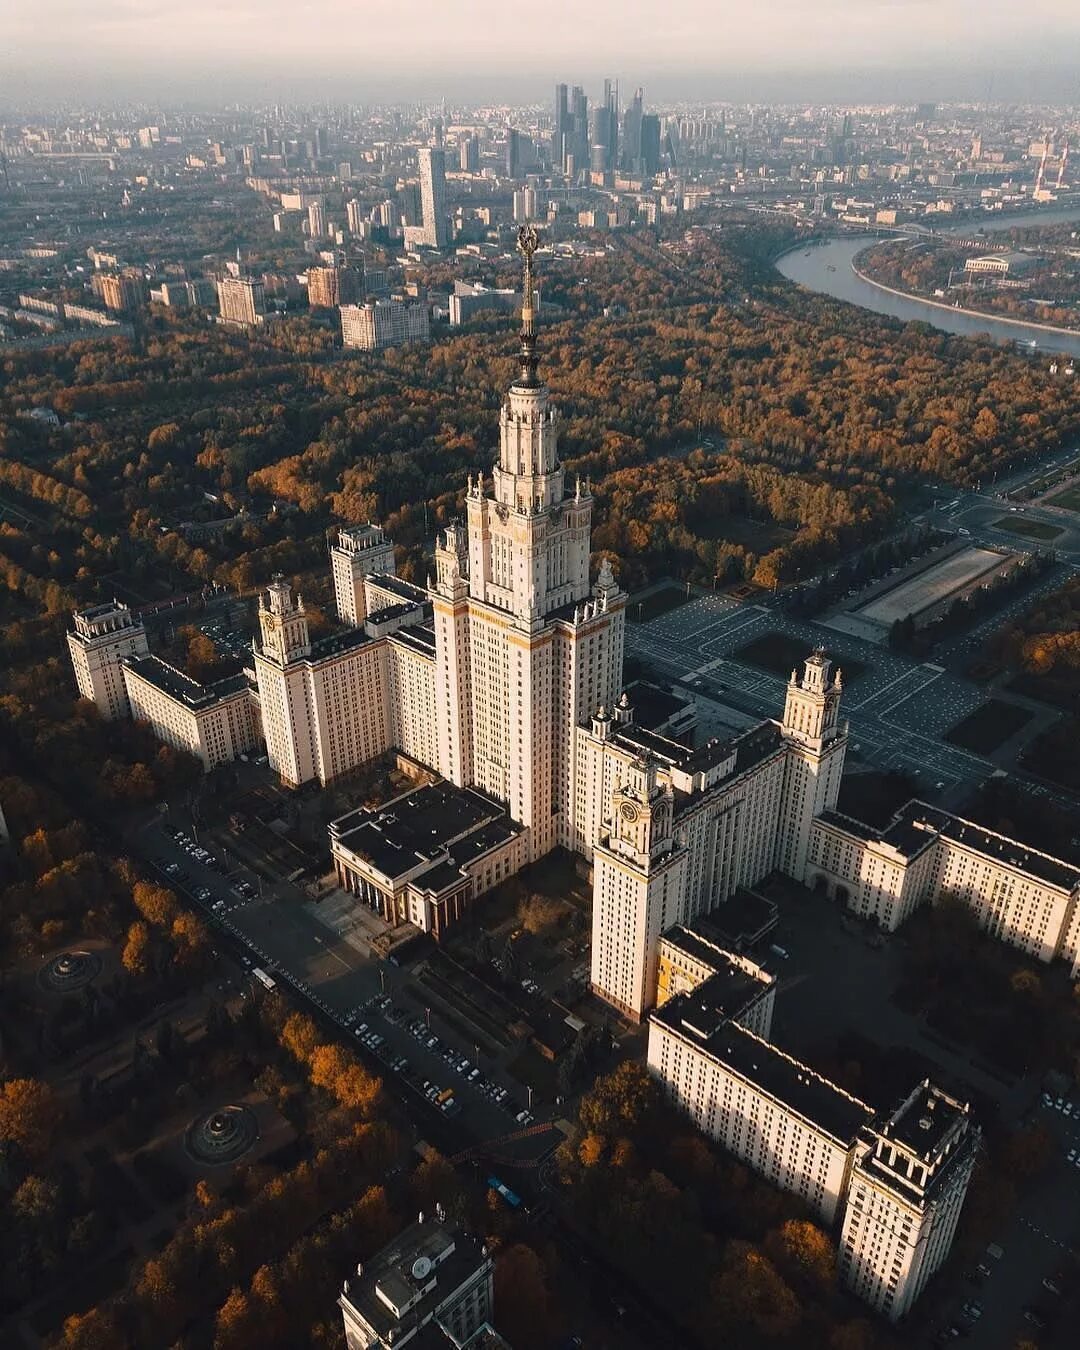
x=434 y=213
x=526 y=205
x=469 y=155
x=329 y=287
x=354 y=216
x=361 y=551
x=431 y=1287
x=104 y=636
x=242 y=301
x=317 y=220
x=123 y=292
x=384 y=323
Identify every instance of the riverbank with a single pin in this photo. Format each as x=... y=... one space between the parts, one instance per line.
x=956 y=309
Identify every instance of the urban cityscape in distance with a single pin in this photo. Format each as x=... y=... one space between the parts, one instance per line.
x=540 y=682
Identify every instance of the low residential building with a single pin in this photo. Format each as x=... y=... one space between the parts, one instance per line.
x=432 y=1286
x=1018 y=894
x=215 y=722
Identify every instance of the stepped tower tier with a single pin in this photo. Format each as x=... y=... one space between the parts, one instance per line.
x=529 y=540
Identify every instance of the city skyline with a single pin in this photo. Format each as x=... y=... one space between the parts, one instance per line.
x=910 y=49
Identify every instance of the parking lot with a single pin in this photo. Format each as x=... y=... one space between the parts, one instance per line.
x=1015 y=1289
x=381 y=1006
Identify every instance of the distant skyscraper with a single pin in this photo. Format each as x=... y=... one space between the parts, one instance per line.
x=562 y=122
x=316 y=220
x=469 y=155
x=577 y=150
x=354 y=216
x=433 y=197
x=650 y=144
x=631 y=148
x=330 y=286
x=520 y=153
x=241 y=301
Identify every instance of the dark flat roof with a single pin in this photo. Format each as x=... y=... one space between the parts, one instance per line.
x=336 y=643
x=643 y=741
x=916 y=825
x=743 y=919
x=417 y=827
x=395 y=611
x=804 y=1092
x=1051 y=870
x=392 y=1270
x=729 y=991
x=654 y=705
x=411 y=594
x=418 y=636
x=197 y=697
x=923 y=1121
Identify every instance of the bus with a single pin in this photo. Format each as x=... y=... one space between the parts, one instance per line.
x=514 y=1201
x=267 y=981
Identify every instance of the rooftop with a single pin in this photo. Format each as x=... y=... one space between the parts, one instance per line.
x=401 y=1288
x=419 y=636
x=397 y=586
x=419 y=827
x=924 y=1120
x=695 y=1018
x=197 y=697
x=654 y=706
x=1041 y=865
x=336 y=643
x=743 y=919
x=389 y=612
x=731 y=989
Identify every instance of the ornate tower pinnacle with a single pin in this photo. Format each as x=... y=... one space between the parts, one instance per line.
x=528 y=241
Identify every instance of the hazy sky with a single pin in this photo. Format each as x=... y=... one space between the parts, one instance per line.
x=417 y=47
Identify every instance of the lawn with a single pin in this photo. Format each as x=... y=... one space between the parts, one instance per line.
x=988 y=726
x=1028 y=529
x=1068 y=499
x=779 y=654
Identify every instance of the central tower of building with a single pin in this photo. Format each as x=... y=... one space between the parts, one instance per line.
x=525 y=651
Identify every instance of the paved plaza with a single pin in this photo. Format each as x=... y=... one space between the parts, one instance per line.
x=898 y=710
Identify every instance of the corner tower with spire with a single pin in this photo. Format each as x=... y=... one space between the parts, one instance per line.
x=526 y=650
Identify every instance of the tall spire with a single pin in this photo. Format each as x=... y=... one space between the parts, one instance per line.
x=528 y=240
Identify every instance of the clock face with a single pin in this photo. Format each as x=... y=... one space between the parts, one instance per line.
x=628 y=811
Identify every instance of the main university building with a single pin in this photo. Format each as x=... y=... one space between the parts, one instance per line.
x=504 y=677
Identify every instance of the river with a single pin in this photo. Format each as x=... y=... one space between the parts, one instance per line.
x=826 y=269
